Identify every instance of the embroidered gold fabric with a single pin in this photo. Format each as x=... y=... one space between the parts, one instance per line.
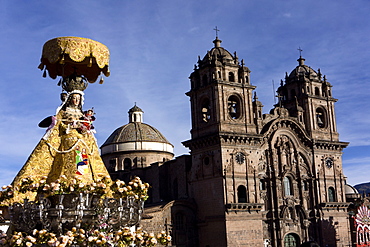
x=55 y=156
x=64 y=55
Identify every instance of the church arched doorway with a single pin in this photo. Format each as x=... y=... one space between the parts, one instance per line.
x=291 y=240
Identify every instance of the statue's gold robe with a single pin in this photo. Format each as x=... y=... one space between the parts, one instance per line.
x=56 y=155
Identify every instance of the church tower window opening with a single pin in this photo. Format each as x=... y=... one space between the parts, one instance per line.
x=206 y=111
x=331 y=194
x=231 y=77
x=242 y=194
x=233 y=104
x=317 y=91
x=320 y=117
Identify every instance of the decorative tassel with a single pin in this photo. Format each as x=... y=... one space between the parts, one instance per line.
x=62 y=60
x=90 y=62
x=108 y=72
x=44 y=74
x=101 y=80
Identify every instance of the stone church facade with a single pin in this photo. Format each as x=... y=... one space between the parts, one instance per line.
x=251 y=179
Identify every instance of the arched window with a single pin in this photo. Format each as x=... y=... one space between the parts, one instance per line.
x=242 y=194
x=127 y=164
x=231 y=76
x=317 y=91
x=233 y=104
x=219 y=74
x=288 y=189
x=291 y=240
x=206 y=111
x=331 y=194
x=247 y=79
x=262 y=184
x=320 y=117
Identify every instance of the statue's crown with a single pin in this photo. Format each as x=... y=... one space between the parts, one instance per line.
x=74 y=82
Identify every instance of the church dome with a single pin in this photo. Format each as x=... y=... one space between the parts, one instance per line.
x=301 y=71
x=350 y=189
x=136 y=136
x=218 y=54
x=135 y=131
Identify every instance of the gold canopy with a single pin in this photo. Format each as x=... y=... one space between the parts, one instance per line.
x=65 y=56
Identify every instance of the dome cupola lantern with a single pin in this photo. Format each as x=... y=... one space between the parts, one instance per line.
x=135 y=114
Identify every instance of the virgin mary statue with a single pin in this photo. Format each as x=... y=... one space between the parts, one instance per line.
x=68 y=147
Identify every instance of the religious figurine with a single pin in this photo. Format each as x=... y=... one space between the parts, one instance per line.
x=68 y=148
x=87 y=122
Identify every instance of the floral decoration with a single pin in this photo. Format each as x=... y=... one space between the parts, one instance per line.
x=101 y=236
x=79 y=237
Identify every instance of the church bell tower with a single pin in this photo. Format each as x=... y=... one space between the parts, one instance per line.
x=221 y=94
x=272 y=179
x=226 y=117
x=308 y=96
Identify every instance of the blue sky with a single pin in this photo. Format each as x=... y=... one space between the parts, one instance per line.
x=154 y=46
